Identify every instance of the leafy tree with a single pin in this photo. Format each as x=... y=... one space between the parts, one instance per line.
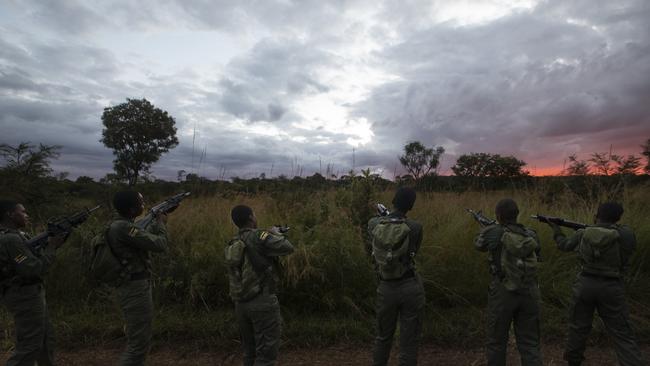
x=627 y=165
x=28 y=160
x=420 y=160
x=482 y=165
x=139 y=134
x=577 y=167
x=646 y=153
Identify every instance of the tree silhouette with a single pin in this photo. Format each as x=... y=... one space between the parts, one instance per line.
x=420 y=160
x=28 y=160
x=646 y=153
x=482 y=165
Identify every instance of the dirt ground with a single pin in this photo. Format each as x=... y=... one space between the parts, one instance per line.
x=335 y=356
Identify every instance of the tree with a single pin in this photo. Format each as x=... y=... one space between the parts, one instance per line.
x=577 y=167
x=603 y=163
x=482 y=165
x=420 y=160
x=27 y=160
x=646 y=153
x=139 y=134
x=627 y=165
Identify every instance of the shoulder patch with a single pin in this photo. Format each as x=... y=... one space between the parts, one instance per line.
x=133 y=231
x=264 y=235
x=20 y=258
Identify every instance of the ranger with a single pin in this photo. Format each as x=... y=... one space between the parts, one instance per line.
x=513 y=294
x=604 y=251
x=252 y=261
x=21 y=287
x=395 y=240
x=133 y=246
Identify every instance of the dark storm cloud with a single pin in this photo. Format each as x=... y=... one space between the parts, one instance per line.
x=501 y=86
x=562 y=78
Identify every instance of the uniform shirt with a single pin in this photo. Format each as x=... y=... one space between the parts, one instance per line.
x=135 y=245
x=17 y=261
x=627 y=241
x=267 y=245
x=489 y=240
x=415 y=233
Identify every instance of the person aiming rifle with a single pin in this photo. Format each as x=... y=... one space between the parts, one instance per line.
x=131 y=242
x=252 y=259
x=22 y=272
x=513 y=294
x=604 y=250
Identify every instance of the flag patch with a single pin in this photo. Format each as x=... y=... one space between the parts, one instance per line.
x=264 y=235
x=133 y=231
x=20 y=258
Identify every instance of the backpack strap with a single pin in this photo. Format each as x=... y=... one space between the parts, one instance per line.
x=123 y=261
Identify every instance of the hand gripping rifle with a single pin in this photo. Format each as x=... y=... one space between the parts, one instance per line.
x=382 y=210
x=480 y=218
x=559 y=221
x=162 y=208
x=58 y=227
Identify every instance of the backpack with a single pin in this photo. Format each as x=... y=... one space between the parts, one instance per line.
x=248 y=271
x=105 y=266
x=390 y=248
x=600 y=251
x=518 y=260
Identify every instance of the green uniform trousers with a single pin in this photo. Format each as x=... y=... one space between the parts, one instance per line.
x=136 y=303
x=260 y=326
x=403 y=299
x=34 y=333
x=508 y=307
x=608 y=297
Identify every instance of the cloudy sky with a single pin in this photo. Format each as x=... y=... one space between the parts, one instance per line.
x=282 y=86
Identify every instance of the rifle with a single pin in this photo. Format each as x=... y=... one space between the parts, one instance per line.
x=60 y=226
x=163 y=207
x=559 y=221
x=480 y=218
x=282 y=229
x=382 y=210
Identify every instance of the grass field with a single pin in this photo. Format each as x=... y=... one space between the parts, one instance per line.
x=329 y=284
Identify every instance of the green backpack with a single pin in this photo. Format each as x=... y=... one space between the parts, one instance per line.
x=247 y=270
x=390 y=248
x=600 y=251
x=105 y=266
x=518 y=260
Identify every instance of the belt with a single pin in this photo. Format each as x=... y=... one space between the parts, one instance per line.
x=409 y=274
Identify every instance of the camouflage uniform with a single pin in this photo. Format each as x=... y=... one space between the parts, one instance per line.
x=505 y=307
x=134 y=245
x=256 y=306
x=22 y=292
x=401 y=298
x=602 y=290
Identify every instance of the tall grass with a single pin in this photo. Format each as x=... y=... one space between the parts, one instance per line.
x=328 y=288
